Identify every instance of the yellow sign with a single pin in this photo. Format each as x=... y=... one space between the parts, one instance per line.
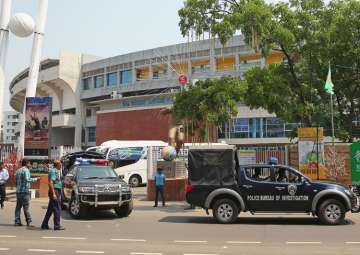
x=310 y=134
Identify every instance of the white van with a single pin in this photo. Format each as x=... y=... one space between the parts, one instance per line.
x=130 y=157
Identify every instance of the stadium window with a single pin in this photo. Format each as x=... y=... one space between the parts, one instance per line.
x=87 y=83
x=99 y=81
x=126 y=76
x=111 y=79
x=88 y=112
x=91 y=134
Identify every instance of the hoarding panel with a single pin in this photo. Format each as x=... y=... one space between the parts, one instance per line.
x=37 y=127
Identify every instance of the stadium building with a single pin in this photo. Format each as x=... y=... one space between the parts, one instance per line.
x=95 y=100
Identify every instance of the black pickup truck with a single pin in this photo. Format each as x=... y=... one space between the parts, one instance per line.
x=92 y=184
x=216 y=181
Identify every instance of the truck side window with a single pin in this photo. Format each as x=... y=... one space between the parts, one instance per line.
x=258 y=173
x=284 y=175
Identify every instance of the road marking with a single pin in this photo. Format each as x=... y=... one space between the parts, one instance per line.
x=201 y=254
x=243 y=242
x=190 y=241
x=303 y=242
x=5 y=236
x=41 y=250
x=145 y=253
x=128 y=240
x=352 y=242
x=4 y=249
x=64 y=238
x=90 y=252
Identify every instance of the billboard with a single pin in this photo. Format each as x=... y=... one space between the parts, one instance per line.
x=311 y=152
x=37 y=127
x=355 y=162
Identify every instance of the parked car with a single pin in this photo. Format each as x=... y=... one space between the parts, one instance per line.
x=93 y=184
x=216 y=181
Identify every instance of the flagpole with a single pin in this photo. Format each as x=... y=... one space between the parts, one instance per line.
x=332 y=123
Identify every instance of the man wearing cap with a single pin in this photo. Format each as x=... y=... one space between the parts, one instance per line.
x=4 y=176
x=54 y=206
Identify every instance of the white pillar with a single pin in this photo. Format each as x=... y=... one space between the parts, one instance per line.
x=4 y=38
x=34 y=63
x=212 y=55
x=36 y=50
x=133 y=70
x=237 y=62
x=262 y=63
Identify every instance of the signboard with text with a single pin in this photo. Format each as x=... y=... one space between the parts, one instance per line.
x=37 y=127
x=247 y=157
x=355 y=162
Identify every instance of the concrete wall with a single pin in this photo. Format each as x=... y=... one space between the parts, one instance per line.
x=342 y=153
x=62 y=136
x=145 y=124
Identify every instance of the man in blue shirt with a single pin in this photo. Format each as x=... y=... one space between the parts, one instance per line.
x=23 y=182
x=54 y=206
x=4 y=176
x=159 y=186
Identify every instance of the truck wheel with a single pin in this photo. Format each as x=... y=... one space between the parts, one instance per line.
x=124 y=210
x=225 y=211
x=331 y=212
x=135 y=181
x=76 y=210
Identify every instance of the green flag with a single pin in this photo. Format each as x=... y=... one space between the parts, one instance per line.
x=329 y=86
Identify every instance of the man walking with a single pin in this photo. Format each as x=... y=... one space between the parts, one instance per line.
x=23 y=182
x=159 y=186
x=4 y=176
x=54 y=206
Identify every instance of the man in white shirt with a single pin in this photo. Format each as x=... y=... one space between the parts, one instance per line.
x=4 y=176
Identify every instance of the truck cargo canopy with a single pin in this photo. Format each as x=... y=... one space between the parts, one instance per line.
x=212 y=167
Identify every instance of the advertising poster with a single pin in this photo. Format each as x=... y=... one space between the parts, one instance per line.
x=355 y=163
x=37 y=127
x=247 y=157
x=311 y=153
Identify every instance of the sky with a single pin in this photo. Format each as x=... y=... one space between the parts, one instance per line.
x=103 y=28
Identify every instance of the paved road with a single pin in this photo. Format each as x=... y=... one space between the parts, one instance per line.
x=172 y=230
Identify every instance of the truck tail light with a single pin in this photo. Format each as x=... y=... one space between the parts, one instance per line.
x=188 y=187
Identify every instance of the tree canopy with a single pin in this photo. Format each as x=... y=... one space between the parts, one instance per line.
x=208 y=104
x=310 y=34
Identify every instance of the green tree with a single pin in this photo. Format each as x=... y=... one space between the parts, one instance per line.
x=208 y=104
x=310 y=34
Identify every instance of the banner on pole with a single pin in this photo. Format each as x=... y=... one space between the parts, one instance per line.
x=38 y=127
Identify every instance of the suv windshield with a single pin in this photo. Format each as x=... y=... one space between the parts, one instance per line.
x=96 y=172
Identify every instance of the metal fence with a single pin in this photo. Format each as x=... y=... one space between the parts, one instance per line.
x=263 y=153
x=5 y=151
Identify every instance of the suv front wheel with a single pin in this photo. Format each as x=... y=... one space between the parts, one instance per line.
x=331 y=212
x=124 y=210
x=76 y=209
x=225 y=211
